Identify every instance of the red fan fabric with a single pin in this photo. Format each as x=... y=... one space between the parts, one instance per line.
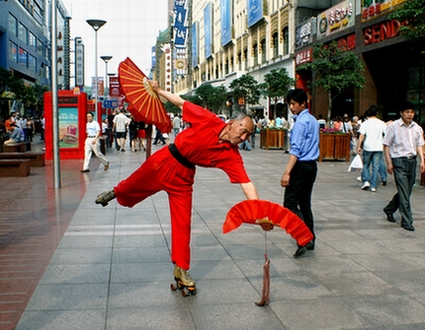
x=144 y=104
x=251 y=211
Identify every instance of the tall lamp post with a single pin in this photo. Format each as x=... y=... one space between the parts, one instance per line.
x=96 y=24
x=106 y=59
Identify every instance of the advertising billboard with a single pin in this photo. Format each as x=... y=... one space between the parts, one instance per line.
x=195 y=44
x=208 y=30
x=255 y=11
x=226 y=21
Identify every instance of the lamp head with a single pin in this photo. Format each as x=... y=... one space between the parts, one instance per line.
x=96 y=24
x=106 y=58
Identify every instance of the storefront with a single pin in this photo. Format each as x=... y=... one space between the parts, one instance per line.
x=392 y=66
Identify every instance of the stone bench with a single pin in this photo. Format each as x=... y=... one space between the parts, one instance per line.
x=15 y=167
x=17 y=147
x=36 y=158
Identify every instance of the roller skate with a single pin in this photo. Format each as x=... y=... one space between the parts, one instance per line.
x=184 y=282
x=105 y=197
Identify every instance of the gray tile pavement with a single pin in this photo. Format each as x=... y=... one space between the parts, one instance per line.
x=112 y=269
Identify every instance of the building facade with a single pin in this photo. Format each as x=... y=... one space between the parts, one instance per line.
x=230 y=38
x=25 y=47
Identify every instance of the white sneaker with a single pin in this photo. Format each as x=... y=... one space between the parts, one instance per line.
x=365 y=186
x=373 y=189
x=359 y=178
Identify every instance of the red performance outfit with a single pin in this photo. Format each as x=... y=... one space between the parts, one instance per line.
x=199 y=144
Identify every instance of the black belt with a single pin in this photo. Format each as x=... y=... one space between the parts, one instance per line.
x=179 y=157
x=408 y=157
x=92 y=136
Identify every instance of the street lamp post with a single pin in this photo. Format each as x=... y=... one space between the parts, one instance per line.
x=106 y=59
x=96 y=24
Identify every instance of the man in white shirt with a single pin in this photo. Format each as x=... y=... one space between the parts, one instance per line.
x=403 y=146
x=121 y=122
x=372 y=132
x=92 y=144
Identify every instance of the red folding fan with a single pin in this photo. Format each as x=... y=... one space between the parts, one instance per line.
x=144 y=104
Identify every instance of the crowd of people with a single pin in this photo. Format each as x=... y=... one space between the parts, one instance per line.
x=16 y=128
x=394 y=147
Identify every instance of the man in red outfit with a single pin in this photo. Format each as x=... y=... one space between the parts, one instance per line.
x=206 y=142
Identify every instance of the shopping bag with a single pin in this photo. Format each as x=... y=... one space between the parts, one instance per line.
x=356 y=165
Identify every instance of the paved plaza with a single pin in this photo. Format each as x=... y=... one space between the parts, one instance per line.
x=111 y=269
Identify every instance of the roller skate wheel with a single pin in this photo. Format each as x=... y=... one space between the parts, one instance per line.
x=173 y=287
x=185 y=292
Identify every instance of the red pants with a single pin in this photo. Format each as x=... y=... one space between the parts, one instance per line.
x=162 y=171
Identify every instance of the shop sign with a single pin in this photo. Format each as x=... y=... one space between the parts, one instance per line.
x=348 y=42
x=114 y=87
x=304 y=32
x=375 y=8
x=336 y=19
x=381 y=32
x=304 y=56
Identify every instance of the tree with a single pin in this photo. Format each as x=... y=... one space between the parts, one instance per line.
x=30 y=96
x=276 y=84
x=247 y=88
x=412 y=12
x=336 y=70
x=212 y=98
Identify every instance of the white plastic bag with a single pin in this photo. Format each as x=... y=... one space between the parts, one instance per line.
x=356 y=165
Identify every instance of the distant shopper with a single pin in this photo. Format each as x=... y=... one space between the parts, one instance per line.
x=403 y=145
x=372 y=132
x=121 y=122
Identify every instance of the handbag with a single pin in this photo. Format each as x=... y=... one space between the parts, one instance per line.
x=356 y=164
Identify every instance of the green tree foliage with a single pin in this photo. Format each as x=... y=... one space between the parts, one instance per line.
x=412 y=12
x=31 y=96
x=212 y=98
x=246 y=87
x=336 y=69
x=276 y=84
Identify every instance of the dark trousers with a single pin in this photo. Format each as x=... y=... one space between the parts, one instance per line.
x=298 y=194
x=404 y=176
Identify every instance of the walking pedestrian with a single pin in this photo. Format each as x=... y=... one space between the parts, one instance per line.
x=92 y=144
x=372 y=132
x=403 y=145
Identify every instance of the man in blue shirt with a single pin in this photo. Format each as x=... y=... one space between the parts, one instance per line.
x=301 y=170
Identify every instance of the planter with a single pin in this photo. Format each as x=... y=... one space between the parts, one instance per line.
x=334 y=146
x=272 y=138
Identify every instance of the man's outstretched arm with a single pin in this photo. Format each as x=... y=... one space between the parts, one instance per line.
x=173 y=98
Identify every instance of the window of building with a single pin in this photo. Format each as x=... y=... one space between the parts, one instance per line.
x=32 y=63
x=23 y=33
x=275 y=45
x=255 y=54
x=40 y=47
x=245 y=59
x=23 y=57
x=32 y=41
x=13 y=52
x=240 y=61
x=13 y=25
x=285 y=35
x=263 y=51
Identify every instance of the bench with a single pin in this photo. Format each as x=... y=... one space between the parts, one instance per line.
x=17 y=147
x=15 y=167
x=36 y=158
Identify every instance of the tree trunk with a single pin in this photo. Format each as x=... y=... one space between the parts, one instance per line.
x=329 y=107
